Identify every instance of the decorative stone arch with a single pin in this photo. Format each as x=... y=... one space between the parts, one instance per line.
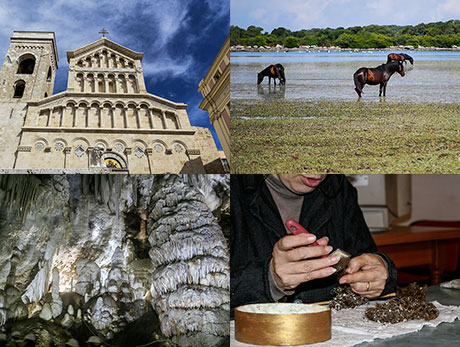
x=174 y=118
x=100 y=83
x=119 y=146
x=95 y=102
x=142 y=142
x=40 y=144
x=26 y=64
x=81 y=81
x=89 y=61
x=91 y=82
x=133 y=82
x=94 y=114
x=102 y=143
x=107 y=102
x=132 y=116
x=159 y=146
x=123 y=83
x=59 y=144
x=115 y=161
x=82 y=139
x=179 y=147
x=112 y=84
x=145 y=116
x=18 y=89
x=83 y=103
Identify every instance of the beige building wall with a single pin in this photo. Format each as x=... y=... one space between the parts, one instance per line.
x=215 y=88
x=31 y=61
x=105 y=118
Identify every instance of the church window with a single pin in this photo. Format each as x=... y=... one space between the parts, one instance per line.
x=19 y=88
x=26 y=64
x=48 y=77
x=112 y=163
x=46 y=95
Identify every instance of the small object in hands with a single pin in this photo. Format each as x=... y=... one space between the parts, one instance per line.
x=344 y=297
x=409 y=304
x=282 y=324
x=344 y=259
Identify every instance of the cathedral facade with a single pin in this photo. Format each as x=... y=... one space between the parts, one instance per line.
x=105 y=121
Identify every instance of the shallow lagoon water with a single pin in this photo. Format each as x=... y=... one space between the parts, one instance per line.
x=434 y=77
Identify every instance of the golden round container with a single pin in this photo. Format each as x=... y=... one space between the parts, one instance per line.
x=282 y=324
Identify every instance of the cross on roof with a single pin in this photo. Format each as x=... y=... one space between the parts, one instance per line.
x=103 y=32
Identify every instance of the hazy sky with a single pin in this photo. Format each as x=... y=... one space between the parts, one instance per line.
x=179 y=38
x=306 y=14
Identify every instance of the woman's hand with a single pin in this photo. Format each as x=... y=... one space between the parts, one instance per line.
x=293 y=261
x=366 y=274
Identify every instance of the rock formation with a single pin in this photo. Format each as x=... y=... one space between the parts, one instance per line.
x=102 y=252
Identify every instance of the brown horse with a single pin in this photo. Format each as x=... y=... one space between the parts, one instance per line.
x=400 y=57
x=272 y=71
x=379 y=75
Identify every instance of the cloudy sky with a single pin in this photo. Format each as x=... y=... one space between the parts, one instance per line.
x=306 y=14
x=179 y=38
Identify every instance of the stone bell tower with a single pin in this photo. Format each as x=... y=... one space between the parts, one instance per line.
x=27 y=74
x=29 y=67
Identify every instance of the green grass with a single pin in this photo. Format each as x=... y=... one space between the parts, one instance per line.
x=347 y=137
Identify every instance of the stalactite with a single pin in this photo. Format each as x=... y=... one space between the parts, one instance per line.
x=21 y=192
x=190 y=280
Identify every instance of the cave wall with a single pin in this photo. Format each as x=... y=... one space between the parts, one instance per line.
x=104 y=250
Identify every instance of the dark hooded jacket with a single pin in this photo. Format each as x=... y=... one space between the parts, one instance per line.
x=330 y=210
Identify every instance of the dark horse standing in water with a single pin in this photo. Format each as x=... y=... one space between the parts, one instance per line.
x=400 y=57
x=379 y=75
x=272 y=71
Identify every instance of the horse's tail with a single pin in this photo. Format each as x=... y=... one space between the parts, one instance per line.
x=358 y=78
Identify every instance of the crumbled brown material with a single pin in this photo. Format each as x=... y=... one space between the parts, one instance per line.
x=344 y=297
x=408 y=304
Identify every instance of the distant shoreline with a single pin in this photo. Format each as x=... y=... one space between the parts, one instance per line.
x=279 y=48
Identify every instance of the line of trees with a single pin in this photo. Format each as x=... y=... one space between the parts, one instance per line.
x=438 y=34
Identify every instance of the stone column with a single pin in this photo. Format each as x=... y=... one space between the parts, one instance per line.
x=150 y=114
x=125 y=117
x=63 y=117
x=163 y=118
x=48 y=120
x=138 y=115
x=111 y=112
x=177 y=121
x=106 y=83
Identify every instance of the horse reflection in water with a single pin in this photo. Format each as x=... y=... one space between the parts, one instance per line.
x=271 y=93
x=379 y=75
